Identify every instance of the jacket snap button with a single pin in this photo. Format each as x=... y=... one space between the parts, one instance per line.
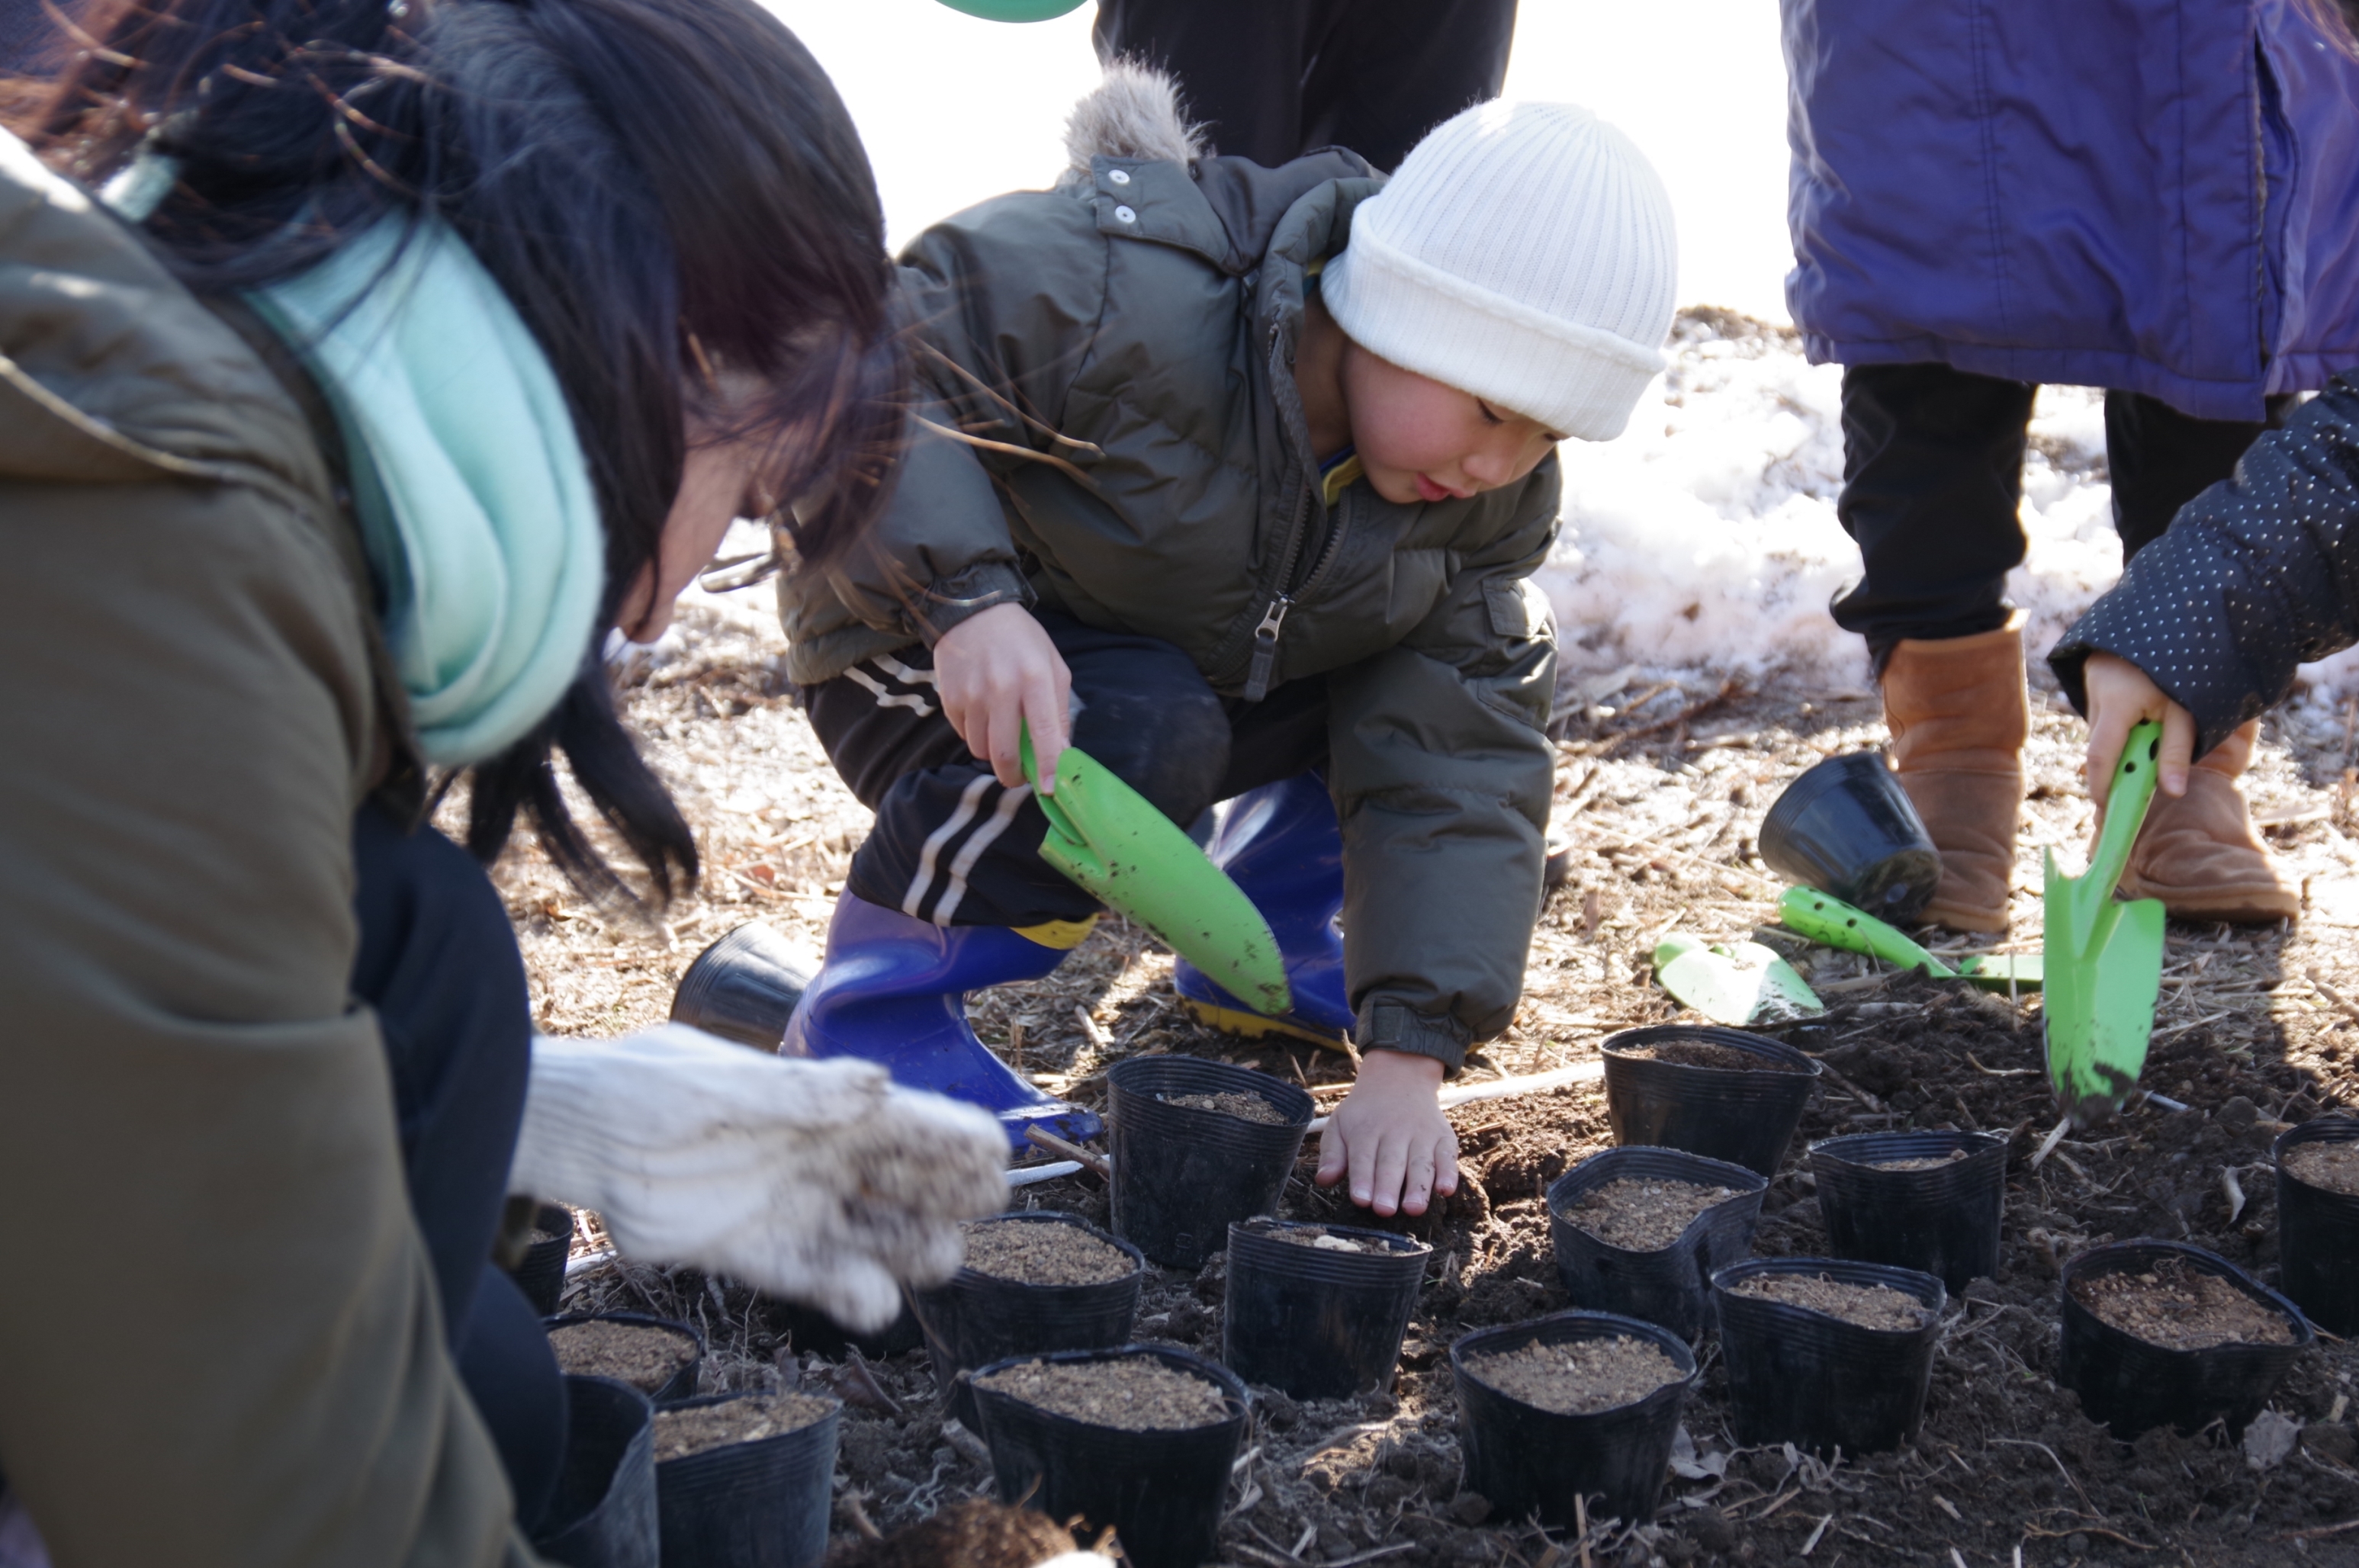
x=1124 y=215
x=1119 y=176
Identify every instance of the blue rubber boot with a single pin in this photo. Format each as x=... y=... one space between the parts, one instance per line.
x=1282 y=845
x=893 y=990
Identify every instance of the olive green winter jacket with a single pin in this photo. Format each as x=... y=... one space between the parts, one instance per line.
x=1127 y=344
x=221 y=1344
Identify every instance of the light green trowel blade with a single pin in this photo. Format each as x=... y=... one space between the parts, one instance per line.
x=1826 y=918
x=1119 y=848
x=2103 y=956
x=1739 y=983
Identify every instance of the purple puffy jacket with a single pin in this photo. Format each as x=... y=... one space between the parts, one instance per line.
x=2161 y=196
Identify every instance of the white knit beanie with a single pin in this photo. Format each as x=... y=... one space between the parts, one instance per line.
x=1523 y=253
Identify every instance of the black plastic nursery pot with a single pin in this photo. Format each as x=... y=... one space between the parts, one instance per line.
x=744 y=986
x=1183 y=1176
x=1318 y=1323
x=2134 y=1386
x=542 y=1274
x=604 y=1513
x=979 y=1318
x=681 y=1384
x=1847 y=828
x=1942 y=1220
x=1524 y=1459
x=1160 y=1491
x=762 y=1504
x=1743 y=1116
x=1671 y=1285
x=2318 y=1234
x=811 y=1329
x=1803 y=1377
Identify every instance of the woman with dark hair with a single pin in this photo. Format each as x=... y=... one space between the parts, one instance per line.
x=407 y=348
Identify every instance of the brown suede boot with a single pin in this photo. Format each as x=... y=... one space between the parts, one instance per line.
x=2199 y=854
x=1959 y=715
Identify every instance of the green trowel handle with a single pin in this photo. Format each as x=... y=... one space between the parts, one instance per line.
x=2135 y=776
x=1829 y=920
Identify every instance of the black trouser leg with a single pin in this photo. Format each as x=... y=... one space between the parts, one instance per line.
x=1239 y=63
x=1390 y=71
x=438 y=962
x=2161 y=458
x=1932 y=476
x=954 y=845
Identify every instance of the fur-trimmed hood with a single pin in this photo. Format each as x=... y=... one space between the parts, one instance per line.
x=1134 y=112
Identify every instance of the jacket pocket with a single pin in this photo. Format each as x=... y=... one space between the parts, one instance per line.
x=1518 y=607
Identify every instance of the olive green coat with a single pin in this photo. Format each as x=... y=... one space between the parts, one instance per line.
x=221 y=1344
x=1127 y=344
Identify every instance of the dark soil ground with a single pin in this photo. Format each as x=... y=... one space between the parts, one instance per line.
x=2254 y=1031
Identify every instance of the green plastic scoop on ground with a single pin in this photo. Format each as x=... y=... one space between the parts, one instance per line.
x=2106 y=955
x=1824 y=918
x=1734 y=983
x=1129 y=857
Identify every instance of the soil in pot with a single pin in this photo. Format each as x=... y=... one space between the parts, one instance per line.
x=1245 y=1108
x=2333 y=1166
x=1029 y=1253
x=1578 y=1378
x=1642 y=1214
x=1869 y=1306
x=2178 y=1307
x=1320 y=1239
x=1133 y=1394
x=646 y=1356
x=696 y=1429
x=1704 y=1053
x=1920 y=1162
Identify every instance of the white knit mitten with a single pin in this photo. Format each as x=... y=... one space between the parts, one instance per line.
x=816 y=1181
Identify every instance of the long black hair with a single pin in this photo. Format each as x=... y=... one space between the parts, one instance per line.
x=671 y=193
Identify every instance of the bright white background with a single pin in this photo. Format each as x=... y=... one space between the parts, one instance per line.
x=954 y=109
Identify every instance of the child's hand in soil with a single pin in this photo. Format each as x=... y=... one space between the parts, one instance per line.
x=995 y=673
x=2119 y=696
x=1391 y=1136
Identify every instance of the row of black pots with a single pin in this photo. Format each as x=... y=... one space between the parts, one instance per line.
x=762 y=1504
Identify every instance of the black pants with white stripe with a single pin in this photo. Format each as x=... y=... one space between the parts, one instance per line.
x=955 y=846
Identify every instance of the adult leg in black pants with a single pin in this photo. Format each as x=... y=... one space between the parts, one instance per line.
x=1272 y=78
x=438 y=963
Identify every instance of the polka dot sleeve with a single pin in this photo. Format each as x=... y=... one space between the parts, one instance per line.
x=2257 y=575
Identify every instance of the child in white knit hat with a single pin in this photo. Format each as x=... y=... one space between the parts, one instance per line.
x=1246 y=471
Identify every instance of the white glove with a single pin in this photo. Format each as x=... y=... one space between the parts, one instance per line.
x=817 y=1181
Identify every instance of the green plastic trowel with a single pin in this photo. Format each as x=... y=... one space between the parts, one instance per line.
x=2107 y=953
x=1828 y=919
x=1120 y=850
x=1734 y=982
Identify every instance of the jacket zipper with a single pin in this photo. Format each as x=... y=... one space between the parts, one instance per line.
x=1265 y=653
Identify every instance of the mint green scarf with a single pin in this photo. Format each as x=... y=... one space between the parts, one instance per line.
x=474 y=499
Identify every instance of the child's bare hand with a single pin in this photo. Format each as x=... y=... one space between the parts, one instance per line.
x=997 y=673
x=2119 y=696
x=1391 y=1136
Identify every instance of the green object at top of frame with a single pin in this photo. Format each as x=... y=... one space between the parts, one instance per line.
x=1014 y=10
x=1115 y=845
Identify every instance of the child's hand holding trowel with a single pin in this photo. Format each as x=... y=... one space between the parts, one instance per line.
x=2120 y=694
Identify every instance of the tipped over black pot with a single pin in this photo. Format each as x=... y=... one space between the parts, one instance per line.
x=2133 y=1385
x=744 y=986
x=1815 y=1380
x=1942 y=1220
x=1744 y=1116
x=1318 y=1323
x=1669 y=1285
x=1848 y=829
x=1524 y=1459
x=1160 y=1491
x=762 y=1504
x=979 y=1318
x=602 y=1514
x=2318 y=1233
x=1183 y=1176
